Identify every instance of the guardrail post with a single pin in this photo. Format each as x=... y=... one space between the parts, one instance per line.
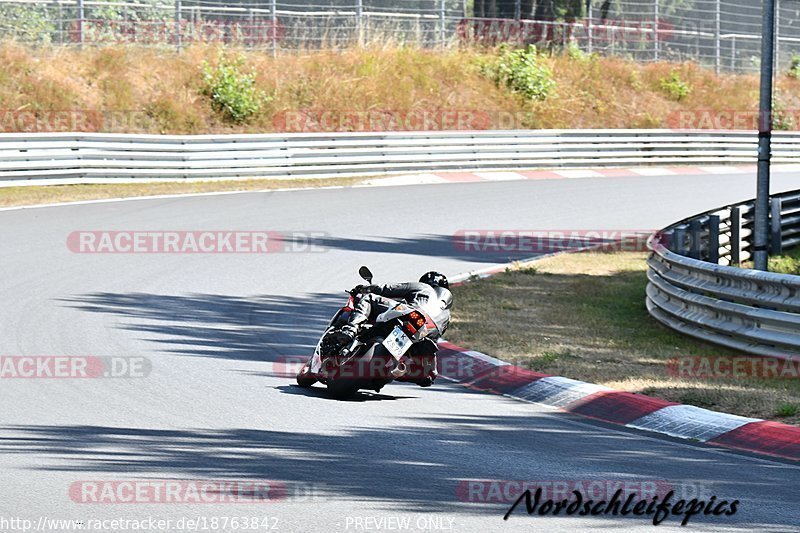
x=775 y=234
x=695 y=230
x=736 y=235
x=713 y=239
x=666 y=238
x=679 y=240
x=178 y=25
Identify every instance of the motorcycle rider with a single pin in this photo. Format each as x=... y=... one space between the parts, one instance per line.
x=432 y=288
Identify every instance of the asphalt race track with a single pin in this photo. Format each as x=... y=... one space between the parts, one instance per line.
x=214 y=408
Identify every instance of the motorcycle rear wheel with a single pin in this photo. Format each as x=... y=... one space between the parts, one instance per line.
x=342 y=389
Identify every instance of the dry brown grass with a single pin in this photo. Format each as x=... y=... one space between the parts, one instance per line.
x=162 y=90
x=583 y=316
x=33 y=195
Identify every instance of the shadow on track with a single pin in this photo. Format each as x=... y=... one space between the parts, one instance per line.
x=421 y=467
x=483 y=245
x=321 y=392
x=257 y=328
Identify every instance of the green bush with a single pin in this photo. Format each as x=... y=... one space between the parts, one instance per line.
x=232 y=91
x=522 y=72
x=786 y=409
x=30 y=23
x=782 y=119
x=675 y=87
x=575 y=53
x=794 y=70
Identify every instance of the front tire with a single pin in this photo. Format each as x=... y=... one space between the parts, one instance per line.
x=303 y=378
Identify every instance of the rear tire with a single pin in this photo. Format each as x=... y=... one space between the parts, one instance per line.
x=342 y=389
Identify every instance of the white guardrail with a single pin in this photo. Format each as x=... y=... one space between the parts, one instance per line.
x=92 y=157
x=694 y=288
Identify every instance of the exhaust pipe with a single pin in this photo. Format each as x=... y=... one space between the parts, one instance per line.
x=400 y=370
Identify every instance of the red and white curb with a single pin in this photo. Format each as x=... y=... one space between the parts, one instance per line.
x=465 y=177
x=481 y=372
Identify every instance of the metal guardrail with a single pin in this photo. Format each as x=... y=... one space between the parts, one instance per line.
x=112 y=157
x=694 y=287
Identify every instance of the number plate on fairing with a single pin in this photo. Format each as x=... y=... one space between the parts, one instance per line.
x=397 y=342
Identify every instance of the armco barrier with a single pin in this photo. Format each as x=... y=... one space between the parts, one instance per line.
x=96 y=156
x=694 y=288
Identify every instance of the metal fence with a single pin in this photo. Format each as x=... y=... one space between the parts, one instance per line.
x=724 y=34
x=695 y=289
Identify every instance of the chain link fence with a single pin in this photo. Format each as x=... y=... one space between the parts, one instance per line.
x=722 y=34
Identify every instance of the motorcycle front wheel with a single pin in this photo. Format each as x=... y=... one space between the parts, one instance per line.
x=303 y=378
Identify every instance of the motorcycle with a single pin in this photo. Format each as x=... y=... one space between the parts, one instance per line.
x=381 y=350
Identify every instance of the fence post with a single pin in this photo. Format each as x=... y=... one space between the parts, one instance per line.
x=736 y=235
x=359 y=22
x=517 y=9
x=442 y=32
x=590 y=45
x=717 y=25
x=251 y=36
x=178 y=25
x=80 y=21
x=733 y=53
x=273 y=7
x=656 y=44
x=777 y=64
x=775 y=234
x=713 y=239
x=60 y=22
